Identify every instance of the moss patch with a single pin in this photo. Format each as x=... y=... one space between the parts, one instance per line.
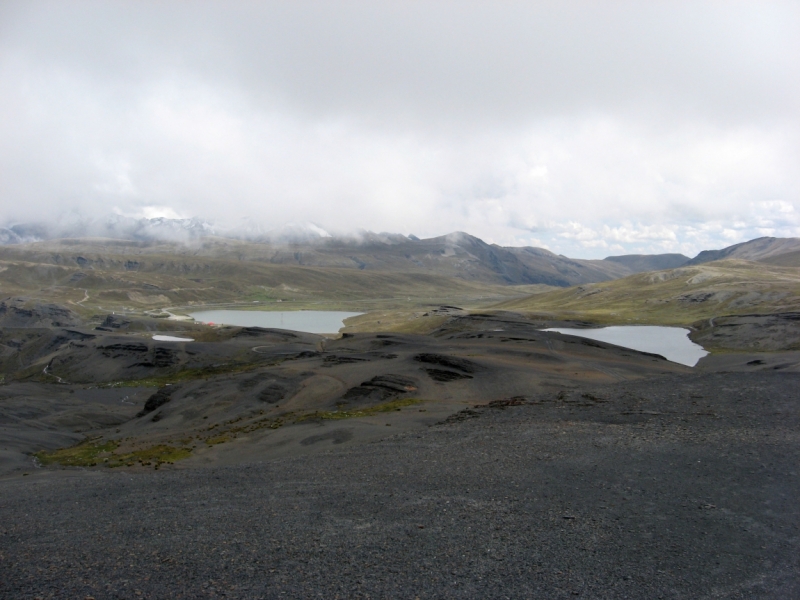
x=369 y=411
x=220 y=439
x=85 y=454
x=91 y=453
x=152 y=455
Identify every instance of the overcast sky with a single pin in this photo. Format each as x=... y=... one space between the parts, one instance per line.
x=589 y=128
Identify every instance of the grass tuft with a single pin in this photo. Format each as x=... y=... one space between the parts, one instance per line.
x=85 y=454
x=369 y=411
x=90 y=453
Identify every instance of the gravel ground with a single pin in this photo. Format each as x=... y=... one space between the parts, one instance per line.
x=681 y=487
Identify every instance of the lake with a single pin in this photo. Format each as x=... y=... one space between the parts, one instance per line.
x=672 y=343
x=171 y=338
x=309 y=321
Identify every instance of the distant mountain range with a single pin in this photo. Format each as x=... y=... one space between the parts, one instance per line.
x=776 y=251
x=303 y=244
x=119 y=227
x=112 y=227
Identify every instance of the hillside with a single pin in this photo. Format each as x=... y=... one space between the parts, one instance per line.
x=764 y=249
x=675 y=296
x=91 y=276
x=787 y=259
x=639 y=263
x=458 y=255
x=385 y=272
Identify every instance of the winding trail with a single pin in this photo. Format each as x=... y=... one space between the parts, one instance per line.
x=44 y=371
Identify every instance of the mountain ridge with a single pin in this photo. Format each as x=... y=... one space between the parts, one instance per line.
x=758 y=249
x=457 y=254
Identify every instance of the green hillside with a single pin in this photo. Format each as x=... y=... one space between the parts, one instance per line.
x=675 y=296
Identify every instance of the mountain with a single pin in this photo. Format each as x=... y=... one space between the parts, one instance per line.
x=295 y=233
x=640 y=263
x=456 y=255
x=787 y=259
x=763 y=249
x=675 y=296
x=161 y=229
x=116 y=227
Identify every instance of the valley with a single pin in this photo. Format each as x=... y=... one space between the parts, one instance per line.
x=107 y=379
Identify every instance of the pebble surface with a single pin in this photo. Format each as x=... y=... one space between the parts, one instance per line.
x=680 y=487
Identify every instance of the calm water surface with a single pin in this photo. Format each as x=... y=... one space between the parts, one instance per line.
x=171 y=338
x=309 y=321
x=672 y=343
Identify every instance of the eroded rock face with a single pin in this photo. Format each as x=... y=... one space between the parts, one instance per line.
x=123 y=349
x=446 y=376
x=761 y=333
x=20 y=313
x=380 y=388
x=115 y=322
x=165 y=357
x=395 y=383
x=262 y=332
x=451 y=362
x=273 y=392
x=160 y=398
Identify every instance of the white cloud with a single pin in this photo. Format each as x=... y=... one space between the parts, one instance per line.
x=623 y=128
x=159 y=212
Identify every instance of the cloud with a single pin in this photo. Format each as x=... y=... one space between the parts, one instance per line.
x=583 y=127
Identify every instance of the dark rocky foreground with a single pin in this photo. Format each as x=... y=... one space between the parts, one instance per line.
x=684 y=486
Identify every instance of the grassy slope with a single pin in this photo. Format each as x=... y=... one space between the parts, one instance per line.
x=458 y=256
x=675 y=296
x=119 y=279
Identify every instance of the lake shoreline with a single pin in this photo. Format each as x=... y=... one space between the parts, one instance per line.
x=673 y=343
x=306 y=321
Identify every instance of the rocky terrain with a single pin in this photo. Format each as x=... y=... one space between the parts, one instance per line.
x=430 y=450
x=251 y=391
x=682 y=486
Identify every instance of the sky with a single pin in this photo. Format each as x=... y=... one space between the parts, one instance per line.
x=588 y=128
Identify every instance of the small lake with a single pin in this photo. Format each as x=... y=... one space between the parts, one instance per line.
x=171 y=338
x=309 y=321
x=672 y=343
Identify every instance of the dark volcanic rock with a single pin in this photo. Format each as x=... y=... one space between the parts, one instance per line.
x=451 y=362
x=396 y=383
x=123 y=349
x=333 y=359
x=380 y=388
x=20 y=313
x=158 y=399
x=272 y=393
x=165 y=357
x=445 y=376
x=261 y=332
x=115 y=322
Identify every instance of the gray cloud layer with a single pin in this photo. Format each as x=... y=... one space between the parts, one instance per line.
x=590 y=128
